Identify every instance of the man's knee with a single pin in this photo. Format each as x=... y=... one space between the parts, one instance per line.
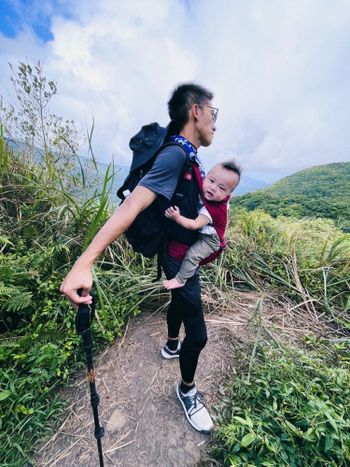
x=199 y=342
x=202 y=342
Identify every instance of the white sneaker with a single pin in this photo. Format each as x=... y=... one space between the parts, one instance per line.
x=195 y=411
x=168 y=354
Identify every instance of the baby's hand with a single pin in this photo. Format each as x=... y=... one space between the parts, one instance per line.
x=172 y=213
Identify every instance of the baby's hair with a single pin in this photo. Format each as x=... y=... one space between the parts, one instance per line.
x=233 y=166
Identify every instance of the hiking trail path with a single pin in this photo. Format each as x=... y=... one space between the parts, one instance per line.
x=144 y=421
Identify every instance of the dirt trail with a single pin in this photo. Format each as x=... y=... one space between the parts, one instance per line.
x=144 y=422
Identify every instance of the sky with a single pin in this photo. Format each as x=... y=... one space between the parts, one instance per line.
x=279 y=69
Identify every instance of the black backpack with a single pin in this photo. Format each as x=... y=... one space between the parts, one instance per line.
x=148 y=232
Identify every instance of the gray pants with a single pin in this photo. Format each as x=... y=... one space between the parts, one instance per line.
x=201 y=249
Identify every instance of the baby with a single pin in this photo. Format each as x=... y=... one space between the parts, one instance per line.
x=221 y=180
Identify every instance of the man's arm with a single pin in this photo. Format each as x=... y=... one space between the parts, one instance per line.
x=173 y=213
x=80 y=276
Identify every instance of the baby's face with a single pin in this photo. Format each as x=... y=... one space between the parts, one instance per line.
x=219 y=183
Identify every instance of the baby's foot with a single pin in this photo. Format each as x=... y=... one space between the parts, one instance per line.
x=172 y=284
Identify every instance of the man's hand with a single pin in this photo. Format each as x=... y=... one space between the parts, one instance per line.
x=78 y=278
x=173 y=213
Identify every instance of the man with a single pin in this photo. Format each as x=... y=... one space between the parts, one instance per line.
x=193 y=118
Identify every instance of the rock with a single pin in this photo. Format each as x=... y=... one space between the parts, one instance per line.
x=116 y=421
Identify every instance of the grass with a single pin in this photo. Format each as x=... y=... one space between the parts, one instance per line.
x=306 y=260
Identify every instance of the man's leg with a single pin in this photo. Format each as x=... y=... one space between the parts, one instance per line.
x=174 y=320
x=186 y=307
x=189 y=298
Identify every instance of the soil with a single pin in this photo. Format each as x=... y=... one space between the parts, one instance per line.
x=143 y=420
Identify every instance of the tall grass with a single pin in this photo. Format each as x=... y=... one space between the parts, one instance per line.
x=306 y=260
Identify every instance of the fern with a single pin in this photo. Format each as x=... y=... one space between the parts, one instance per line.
x=14 y=299
x=5 y=291
x=4 y=241
x=19 y=301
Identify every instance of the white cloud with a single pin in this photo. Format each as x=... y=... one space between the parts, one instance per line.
x=280 y=72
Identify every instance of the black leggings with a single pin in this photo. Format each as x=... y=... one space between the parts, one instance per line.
x=186 y=307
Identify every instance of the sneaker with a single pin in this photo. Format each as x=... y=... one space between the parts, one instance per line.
x=168 y=354
x=195 y=411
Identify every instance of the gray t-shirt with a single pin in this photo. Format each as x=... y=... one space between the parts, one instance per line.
x=164 y=175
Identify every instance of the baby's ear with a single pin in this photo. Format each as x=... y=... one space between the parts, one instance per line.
x=236 y=185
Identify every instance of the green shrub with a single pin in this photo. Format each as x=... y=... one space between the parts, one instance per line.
x=293 y=411
x=42 y=349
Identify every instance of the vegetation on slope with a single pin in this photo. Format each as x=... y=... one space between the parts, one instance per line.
x=306 y=260
x=44 y=227
x=291 y=409
x=287 y=406
x=321 y=191
x=42 y=233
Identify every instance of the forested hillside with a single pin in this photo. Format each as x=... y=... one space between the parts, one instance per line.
x=320 y=191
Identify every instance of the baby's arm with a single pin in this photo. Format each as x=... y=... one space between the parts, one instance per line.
x=173 y=213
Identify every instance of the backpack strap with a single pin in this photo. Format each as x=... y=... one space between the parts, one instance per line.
x=180 y=192
x=199 y=179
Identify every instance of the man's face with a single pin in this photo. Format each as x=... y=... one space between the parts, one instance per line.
x=206 y=116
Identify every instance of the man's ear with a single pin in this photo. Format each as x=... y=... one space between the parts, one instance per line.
x=195 y=111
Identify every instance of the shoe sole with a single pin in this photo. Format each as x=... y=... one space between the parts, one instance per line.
x=168 y=356
x=205 y=432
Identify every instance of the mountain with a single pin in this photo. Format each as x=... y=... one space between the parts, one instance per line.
x=120 y=173
x=248 y=185
x=320 y=191
x=85 y=164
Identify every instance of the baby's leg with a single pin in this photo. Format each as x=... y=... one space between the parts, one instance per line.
x=198 y=251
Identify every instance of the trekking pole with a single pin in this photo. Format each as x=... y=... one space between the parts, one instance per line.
x=83 y=320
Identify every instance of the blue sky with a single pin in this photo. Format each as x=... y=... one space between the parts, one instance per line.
x=14 y=17
x=17 y=15
x=280 y=71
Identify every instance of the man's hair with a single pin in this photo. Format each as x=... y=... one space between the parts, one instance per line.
x=233 y=167
x=181 y=101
